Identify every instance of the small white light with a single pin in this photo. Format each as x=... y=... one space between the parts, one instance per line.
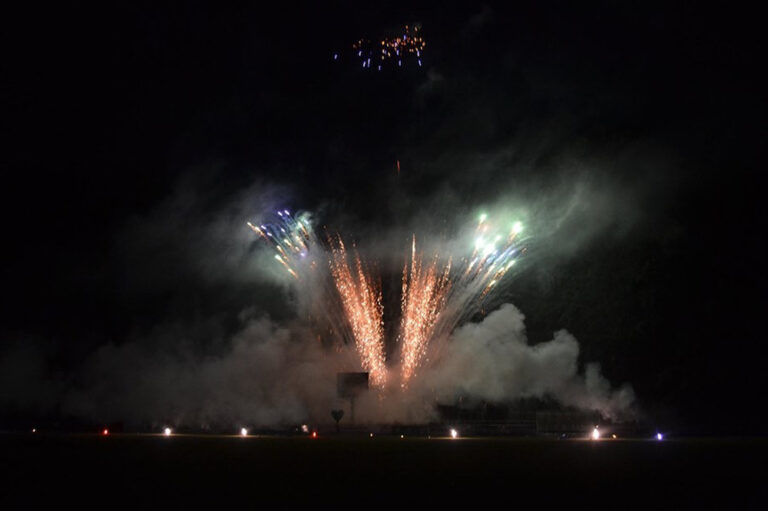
x=659 y=436
x=401 y=436
x=595 y=434
x=243 y=432
x=454 y=433
x=167 y=431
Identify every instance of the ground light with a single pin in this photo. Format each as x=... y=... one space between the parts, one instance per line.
x=167 y=432
x=105 y=432
x=243 y=432
x=595 y=434
x=659 y=436
x=454 y=433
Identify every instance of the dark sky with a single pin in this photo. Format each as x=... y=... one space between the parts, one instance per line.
x=129 y=127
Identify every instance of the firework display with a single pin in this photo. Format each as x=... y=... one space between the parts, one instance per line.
x=361 y=299
x=351 y=302
x=495 y=250
x=437 y=294
x=437 y=300
x=425 y=288
x=406 y=48
x=291 y=237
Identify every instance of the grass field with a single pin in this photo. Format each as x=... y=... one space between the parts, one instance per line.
x=333 y=472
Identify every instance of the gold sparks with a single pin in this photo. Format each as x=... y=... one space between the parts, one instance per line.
x=361 y=299
x=425 y=289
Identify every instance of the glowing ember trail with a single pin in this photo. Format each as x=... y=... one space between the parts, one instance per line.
x=422 y=301
x=361 y=299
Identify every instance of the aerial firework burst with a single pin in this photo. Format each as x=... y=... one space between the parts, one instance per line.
x=437 y=294
x=405 y=47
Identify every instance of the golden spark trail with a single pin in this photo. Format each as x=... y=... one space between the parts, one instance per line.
x=361 y=300
x=424 y=294
x=434 y=302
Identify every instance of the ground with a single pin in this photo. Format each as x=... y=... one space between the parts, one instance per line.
x=343 y=472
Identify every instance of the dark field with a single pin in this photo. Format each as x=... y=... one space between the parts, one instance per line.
x=328 y=473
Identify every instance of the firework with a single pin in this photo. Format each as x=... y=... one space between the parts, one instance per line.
x=405 y=47
x=347 y=297
x=495 y=251
x=435 y=300
x=292 y=239
x=436 y=295
x=361 y=299
x=423 y=298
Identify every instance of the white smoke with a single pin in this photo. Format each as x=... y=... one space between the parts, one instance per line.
x=269 y=375
x=277 y=375
x=492 y=360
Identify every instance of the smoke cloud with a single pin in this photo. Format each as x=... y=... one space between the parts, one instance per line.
x=269 y=374
x=492 y=360
x=272 y=374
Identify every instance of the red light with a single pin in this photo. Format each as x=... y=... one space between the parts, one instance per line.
x=314 y=434
x=105 y=432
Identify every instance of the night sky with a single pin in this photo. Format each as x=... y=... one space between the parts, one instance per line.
x=135 y=132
